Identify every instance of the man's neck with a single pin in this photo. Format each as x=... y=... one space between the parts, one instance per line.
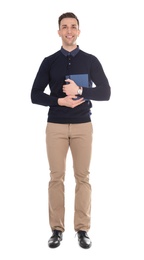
x=69 y=48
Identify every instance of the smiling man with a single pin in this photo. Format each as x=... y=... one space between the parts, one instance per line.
x=74 y=78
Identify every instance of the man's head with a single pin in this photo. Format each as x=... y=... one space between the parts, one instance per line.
x=67 y=15
x=68 y=30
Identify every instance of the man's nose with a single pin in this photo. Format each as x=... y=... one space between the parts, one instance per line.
x=69 y=30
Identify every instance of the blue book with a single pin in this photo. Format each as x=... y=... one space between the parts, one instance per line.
x=81 y=80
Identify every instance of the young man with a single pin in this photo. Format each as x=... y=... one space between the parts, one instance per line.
x=69 y=73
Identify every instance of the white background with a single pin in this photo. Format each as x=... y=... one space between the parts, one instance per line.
x=112 y=31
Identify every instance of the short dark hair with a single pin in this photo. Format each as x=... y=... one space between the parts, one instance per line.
x=67 y=15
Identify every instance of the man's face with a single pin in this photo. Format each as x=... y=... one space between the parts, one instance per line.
x=69 y=31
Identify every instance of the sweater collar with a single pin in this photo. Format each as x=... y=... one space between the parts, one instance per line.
x=73 y=53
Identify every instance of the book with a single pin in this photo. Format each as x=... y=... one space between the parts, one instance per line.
x=81 y=80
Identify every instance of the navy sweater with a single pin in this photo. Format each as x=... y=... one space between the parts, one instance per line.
x=53 y=71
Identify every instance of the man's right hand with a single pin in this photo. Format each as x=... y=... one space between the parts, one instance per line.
x=69 y=102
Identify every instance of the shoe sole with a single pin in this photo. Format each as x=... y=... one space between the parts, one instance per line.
x=85 y=247
x=55 y=246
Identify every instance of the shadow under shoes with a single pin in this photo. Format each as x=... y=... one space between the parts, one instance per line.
x=55 y=239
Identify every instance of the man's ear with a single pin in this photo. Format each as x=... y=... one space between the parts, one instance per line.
x=59 y=33
x=79 y=32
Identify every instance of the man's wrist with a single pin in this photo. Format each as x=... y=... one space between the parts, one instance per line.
x=60 y=101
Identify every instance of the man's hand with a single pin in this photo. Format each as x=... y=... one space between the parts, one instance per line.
x=69 y=102
x=71 y=88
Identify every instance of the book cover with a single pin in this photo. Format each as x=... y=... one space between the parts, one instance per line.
x=80 y=79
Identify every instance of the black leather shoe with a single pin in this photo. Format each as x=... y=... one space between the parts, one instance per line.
x=83 y=239
x=55 y=239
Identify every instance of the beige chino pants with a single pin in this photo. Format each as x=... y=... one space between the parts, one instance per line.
x=59 y=138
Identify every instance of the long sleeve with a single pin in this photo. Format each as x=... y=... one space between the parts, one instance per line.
x=40 y=83
x=101 y=91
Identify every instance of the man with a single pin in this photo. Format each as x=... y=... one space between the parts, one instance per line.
x=69 y=73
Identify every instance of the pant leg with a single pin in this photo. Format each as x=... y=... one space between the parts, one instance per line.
x=57 y=142
x=81 y=147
